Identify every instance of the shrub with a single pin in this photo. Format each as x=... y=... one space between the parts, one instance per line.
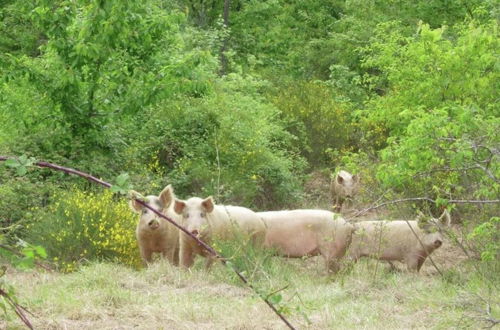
x=318 y=120
x=230 y=143
x=485 y=239
x=82 y=226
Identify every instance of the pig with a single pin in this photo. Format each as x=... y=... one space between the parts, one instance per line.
x=300 y=233
x=155 y=234
x=395 y=241
x=208 y=221
x=344 y=186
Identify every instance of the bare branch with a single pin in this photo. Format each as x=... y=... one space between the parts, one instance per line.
x=18 y=309
x=427 y=199
x=461 y=169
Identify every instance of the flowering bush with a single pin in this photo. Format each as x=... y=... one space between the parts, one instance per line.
x=81 y=226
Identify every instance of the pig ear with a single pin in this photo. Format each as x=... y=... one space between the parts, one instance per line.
x=445 y=218
x=167 y=196
x=179 y=206
x=134 y=206
x=340 y=180
x=208 y=204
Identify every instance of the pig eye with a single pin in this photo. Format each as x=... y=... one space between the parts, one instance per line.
x=186 y=215
x=202 y=215
x=144 y=211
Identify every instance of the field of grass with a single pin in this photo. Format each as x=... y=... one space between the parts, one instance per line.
x=367 y=296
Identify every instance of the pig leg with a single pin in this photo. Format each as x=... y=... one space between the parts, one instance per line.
x=176 y=256
x=420 y=262
x=186 y=255
x=208 y=263
x=146 y=254
x=169 y=254
x=338 y=204
x=412 y=264
x=331 y=262
x=332 y=265
x=415 y=262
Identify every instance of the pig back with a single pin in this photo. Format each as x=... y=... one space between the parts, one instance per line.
x=226 y=221
x=304 y=232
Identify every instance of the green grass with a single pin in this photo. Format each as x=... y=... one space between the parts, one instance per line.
x=111 y=296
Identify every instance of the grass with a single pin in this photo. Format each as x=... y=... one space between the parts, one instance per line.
x=112 y=296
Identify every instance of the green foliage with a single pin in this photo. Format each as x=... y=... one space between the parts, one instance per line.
x=485 y=238
x=122 y=185
x=21 y=164
x=230 y=144
x=23 y=255
x=437 y=130
x=318 y=120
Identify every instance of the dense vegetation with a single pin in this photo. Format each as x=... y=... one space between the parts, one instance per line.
x=248 y=101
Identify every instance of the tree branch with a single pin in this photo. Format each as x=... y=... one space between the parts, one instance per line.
x=427 y=199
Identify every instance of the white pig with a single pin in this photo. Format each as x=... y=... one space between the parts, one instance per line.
x=344 y=186
x=153 y=233
x=208 y=221
x=299 y=233
x=395 y=240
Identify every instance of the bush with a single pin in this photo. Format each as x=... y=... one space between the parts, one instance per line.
x=318 y=119
x=230 y=144
x=485 y=239
x=81 y=226
x=436 y=127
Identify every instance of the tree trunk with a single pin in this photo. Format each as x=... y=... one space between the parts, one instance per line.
x=223 y=58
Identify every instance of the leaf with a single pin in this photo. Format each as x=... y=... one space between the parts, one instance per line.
x=22 y=170
x=122 y=185
x=116 y=188
x=3 y=305
x=29 y=253
x=275 y=299
x=26 y=263
x=23 y=159
x=441 y=202
x=12 y=163
x=122 y=179
x=40 y=251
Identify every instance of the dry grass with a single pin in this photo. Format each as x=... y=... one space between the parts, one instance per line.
x=110 y=296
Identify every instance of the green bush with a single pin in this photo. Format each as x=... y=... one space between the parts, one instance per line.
x=485 y=239
x=319 y=120
x=230 y=144
x=436 y=131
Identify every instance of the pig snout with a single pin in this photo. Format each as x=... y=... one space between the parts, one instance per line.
x=153 y=224
x=195 y=232
x=438 y=243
